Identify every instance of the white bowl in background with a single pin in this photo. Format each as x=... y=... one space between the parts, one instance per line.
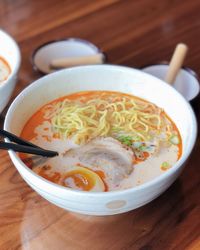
x=58 y=49
x=102 y=77
x=9 y=50
x=186 y=82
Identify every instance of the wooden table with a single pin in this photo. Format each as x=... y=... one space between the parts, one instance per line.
x=132 y=33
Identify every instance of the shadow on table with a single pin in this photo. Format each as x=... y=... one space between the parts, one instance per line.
x=152 y=226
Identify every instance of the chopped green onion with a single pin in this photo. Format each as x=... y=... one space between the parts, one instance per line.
x=142 y=148
x=174 y=139
x=115 y=129
x=165 y=165
x=136 y=138
x=125 y=139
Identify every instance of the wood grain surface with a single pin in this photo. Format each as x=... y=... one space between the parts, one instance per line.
x=133 y=33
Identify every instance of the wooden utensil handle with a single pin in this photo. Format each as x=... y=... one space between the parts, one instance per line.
x=73 y=61
x=176 y=62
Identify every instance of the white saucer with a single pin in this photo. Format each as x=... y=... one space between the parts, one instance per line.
x=71 y=47
x=186 y=83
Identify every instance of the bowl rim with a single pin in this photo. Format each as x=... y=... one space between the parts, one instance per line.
x=18 y=62
x=110 y=194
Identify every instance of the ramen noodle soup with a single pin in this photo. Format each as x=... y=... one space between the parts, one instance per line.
x=5 y=70
x=106 y=141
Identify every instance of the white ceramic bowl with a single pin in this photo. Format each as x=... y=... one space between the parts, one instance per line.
x=9 y=50
x=102 y=77
x=186 y=83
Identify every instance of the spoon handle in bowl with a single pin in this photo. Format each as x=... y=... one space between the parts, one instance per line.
x=176 y=62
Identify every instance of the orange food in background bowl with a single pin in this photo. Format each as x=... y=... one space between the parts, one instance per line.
x=10 y=59
x=5 y=70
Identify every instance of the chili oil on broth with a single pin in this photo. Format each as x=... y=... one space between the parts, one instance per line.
x=106 y=141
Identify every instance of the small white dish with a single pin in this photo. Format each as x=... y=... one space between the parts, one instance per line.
x=10 y=52
x=186 y=82
x=59 y=49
